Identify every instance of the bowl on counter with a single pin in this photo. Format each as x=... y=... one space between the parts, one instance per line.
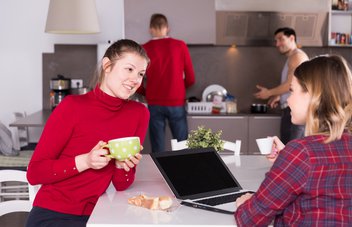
x=212 y=90
x=259 y=108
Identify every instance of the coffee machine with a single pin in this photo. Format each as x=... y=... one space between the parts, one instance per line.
x=60 y=87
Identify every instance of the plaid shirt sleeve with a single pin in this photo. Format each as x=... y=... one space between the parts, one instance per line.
x=281 y=186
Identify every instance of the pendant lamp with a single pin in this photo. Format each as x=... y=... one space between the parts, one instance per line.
x=72 y=17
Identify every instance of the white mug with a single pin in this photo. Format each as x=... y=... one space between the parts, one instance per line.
x=265 y=144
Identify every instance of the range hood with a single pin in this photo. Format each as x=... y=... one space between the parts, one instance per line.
x=257 y=28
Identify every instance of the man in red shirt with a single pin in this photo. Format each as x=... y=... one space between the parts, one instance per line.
x=168 y=75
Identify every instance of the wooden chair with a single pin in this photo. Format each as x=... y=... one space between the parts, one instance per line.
x=16 y=194
x=231 y=146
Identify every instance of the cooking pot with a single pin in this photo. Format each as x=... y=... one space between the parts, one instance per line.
x=60 y=83
x=259 y=108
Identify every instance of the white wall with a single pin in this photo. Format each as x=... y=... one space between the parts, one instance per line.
x=22 y=42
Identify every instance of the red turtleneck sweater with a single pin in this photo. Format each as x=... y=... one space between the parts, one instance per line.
x=74 y=128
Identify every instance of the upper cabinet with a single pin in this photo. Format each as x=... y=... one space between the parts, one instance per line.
x=257 y=28
x=225 y=22
x=191 y=21
x=340 y=18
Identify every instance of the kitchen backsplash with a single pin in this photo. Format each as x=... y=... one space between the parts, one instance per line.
x=71 y=61
x=237 y=69
x=240 y=69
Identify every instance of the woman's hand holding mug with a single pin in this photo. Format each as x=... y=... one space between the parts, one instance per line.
x=128 y=164
x=95 y=159
x=277 y=147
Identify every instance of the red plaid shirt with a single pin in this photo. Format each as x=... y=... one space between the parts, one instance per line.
x=310 y=184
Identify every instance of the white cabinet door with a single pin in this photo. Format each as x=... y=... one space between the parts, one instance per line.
x=259 y=127
x=191 y=21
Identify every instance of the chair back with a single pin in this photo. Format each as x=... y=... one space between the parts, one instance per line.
x=14 y=196
x=178 y=145
x=21 y=132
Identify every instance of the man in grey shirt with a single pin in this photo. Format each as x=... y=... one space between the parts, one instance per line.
x=285 y=39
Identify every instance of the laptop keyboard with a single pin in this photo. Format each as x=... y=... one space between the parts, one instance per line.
x=221 y=199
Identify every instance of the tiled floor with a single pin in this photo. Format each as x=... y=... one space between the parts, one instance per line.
x=16 y=219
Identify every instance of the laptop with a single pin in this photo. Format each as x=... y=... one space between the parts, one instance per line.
x=199 y=178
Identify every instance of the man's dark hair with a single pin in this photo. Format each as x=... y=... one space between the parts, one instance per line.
x=287 y=32
x=158 y=21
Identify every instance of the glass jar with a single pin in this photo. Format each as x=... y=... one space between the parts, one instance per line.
x=231 y=104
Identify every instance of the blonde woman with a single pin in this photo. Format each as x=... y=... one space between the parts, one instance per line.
x=310 y=182
x=69 y=160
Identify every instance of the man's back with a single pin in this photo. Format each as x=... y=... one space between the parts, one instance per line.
x=169 y=73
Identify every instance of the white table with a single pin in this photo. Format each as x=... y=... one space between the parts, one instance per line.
x=112 y=208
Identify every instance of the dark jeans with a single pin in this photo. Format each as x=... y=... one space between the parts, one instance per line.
x=40 y=217
x=288 y=130
x=177 y=119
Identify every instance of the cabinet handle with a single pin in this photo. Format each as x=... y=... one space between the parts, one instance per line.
x=266 y=117
x=222 y=117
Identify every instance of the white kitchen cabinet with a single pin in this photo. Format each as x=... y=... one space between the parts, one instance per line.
x=233 y=127
x=257 y=28
x=260 y=127
x=191 y=21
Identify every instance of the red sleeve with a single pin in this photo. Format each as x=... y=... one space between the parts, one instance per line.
x=122 y=179
x=45 y=166
x=281 y=186
x=189 y=71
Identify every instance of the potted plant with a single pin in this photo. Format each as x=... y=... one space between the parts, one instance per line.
x=203 y=138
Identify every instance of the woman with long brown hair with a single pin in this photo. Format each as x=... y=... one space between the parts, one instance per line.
x=310 y=182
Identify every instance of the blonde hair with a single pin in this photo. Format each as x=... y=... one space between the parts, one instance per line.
x=328 y=80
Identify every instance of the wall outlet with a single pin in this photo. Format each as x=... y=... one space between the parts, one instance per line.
x=76 y=83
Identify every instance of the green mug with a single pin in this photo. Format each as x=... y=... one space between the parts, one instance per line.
x=123 y=148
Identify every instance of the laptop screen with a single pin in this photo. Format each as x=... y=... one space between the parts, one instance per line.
x=195 y=173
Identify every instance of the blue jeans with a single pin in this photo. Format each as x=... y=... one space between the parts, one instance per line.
x=177 y=119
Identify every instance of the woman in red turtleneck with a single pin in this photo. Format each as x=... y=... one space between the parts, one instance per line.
x=69 y=160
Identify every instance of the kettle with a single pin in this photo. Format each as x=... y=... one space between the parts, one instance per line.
x=60 y=83
x=60 y=87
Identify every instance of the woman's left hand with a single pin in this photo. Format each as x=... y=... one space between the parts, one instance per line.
x=243 y=198
x=277 y=147
x=128 y=164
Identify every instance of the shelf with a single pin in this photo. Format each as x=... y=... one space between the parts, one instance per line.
x=340 y=45
x=341 y=12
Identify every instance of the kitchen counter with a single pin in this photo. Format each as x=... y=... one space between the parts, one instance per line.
x=236 y=114
x=37 y=119
x=243 y=126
